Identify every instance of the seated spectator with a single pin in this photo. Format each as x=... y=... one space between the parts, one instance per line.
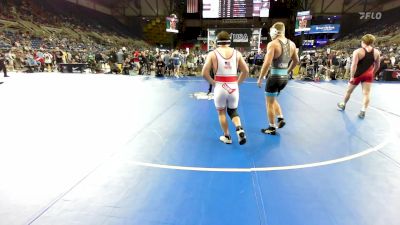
x=31 y=63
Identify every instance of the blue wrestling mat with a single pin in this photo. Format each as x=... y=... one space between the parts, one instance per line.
x=98 y=149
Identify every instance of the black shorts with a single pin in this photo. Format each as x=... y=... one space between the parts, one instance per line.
x=275 y=84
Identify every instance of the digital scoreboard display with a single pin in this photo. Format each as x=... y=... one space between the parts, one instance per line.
x=235 y=8
x=171 y=24
x=303 y=21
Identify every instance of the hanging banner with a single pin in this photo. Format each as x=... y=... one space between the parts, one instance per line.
x=321 y=42
x=325 y=29
x=240 y=38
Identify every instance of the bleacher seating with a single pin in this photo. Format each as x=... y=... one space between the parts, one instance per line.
x=35 y=22
x=36 y=43
x=4 y=45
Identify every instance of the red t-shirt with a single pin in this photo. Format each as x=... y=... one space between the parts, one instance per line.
x=136 y=56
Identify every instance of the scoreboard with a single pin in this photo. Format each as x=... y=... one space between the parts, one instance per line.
x=235 y=8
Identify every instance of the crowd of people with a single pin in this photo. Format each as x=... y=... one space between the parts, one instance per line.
x=66 y=39
x=30 y=51
x=35 y=38
x=43 y=14
x=318 y=65
x=127 y=61
x=336 y=64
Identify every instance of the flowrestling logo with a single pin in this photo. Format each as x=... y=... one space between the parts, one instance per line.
x=370 y=15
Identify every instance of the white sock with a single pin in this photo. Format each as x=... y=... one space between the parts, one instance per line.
x=280 y=117
x=363 y=108
x=272 y=125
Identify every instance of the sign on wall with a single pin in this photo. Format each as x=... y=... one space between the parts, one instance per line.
x=325 y=29
x=240 y=37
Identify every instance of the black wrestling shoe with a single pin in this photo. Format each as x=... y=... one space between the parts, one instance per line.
x=361 y=115
x=226 y=139
x=241 y=135
x=270 y=130
x=281 y=122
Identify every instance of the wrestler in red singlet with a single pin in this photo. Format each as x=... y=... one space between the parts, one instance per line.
x=364 y=66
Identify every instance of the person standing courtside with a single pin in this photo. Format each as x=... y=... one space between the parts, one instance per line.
x=280 y=51
x=3 y=64
x=225 y=62
x=366 y=62
x=210 y=86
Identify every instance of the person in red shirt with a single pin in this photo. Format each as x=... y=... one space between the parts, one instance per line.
x=136 y=60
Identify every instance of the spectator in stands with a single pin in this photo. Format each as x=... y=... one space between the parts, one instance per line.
x=10 y=58
x=166 y=62
x=388 y=62
x=151 y=60
x=3 y=64
x=250 y=62
x=190 y=62
x=347 y=67
x=127 y=66
x=195 y=60
x=392 y=59
x=39 y=58
x=98 y=58
x=19 y=59
x=30 y=62
x=182 y=56
x=136 y=60
x=303 y=65
x=334 y=66
x=384 y=64
x=112 y=60
x=314 y=62
x=120 y=59
x=67 y=56
x=160 y=66
x=91 y=62
x=143 y=61
x=177 y=62
x=58 y=56
x=322 y=69
x=342 y=63
x=258 y=62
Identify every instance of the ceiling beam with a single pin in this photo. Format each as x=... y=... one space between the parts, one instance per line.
x=92 y=5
